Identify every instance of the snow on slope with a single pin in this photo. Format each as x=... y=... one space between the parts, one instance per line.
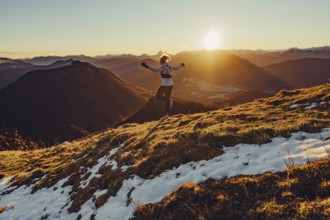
x=240 y=159
x=307 y=106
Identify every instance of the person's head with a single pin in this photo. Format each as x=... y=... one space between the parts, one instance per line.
x=164 y=59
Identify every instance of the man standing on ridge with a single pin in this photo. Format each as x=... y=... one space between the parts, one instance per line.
x=164 y=91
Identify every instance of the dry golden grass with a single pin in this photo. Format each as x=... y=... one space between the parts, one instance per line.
x=250 y=197
x=153 y=147
x=318 y=209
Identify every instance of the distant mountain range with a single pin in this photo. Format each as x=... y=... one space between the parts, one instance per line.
x=11 y=70
x=258 y=57
x=47 y=60
x=209 y=76
x=114 y=63
x=264 y=58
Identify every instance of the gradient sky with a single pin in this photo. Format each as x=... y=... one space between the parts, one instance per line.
x=96 y=27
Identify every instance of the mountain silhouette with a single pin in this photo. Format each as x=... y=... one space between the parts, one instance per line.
x=11 y=70
x=68 y=102
x=265 y=58
x=300 y=73
x=223 y=68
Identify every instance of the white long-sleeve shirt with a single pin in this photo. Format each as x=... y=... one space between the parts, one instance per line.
x=165 y=69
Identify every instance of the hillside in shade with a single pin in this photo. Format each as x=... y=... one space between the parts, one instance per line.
x=54 y=105
x=301 y=73
x=245 y=96
x=11 y=70
x=154 y=110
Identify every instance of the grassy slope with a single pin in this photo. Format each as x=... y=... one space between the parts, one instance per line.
x=299 y=193
x=159 y=145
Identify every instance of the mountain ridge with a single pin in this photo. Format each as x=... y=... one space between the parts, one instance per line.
x=305 y=72
x=65 y=103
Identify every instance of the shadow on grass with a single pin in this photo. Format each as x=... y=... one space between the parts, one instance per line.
x=155 y=128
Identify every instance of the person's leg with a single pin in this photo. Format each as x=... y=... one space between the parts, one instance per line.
x=167 y=96
x=164 y=94
x=160 y=93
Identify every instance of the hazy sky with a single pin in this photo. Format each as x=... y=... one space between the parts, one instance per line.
x=97 y=27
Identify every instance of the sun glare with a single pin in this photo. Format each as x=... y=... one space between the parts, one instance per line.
x=211 y=40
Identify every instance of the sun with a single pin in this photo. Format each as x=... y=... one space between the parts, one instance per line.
x=211 y=40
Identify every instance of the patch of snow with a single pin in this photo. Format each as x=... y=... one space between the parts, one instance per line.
x=87 y=210
x=126 y=153
x=313 y=105
x=21 y=204
x=294 y=106
x=94 y=170
x=80 y=158
x=66 y=143
x=105 y=160
x=241 y=159
x=115 y=150
x=5 y=182
x=125 y=167
x=99 y=193
x=307 y=106
x=116 y=207
x=113 y=164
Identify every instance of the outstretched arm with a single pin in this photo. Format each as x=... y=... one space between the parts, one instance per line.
x=178 y=67
x=155 y=69
x=151 y=68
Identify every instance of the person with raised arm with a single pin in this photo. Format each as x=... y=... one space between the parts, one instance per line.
x=164 y=91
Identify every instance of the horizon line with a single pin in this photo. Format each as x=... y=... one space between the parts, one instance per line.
x=146 y=54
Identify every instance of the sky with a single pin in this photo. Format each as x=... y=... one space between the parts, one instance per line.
x=31 y=28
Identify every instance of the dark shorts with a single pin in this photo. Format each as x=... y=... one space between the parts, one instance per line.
x=164 y=94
